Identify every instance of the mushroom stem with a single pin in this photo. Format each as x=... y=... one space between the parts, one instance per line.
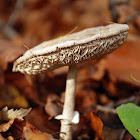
x=69 y=104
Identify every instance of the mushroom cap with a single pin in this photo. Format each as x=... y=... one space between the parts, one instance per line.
x=71 y=49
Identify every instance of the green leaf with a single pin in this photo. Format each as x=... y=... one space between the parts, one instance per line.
x=129 y=114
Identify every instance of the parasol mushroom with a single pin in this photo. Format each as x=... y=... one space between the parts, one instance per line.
x=70 y=50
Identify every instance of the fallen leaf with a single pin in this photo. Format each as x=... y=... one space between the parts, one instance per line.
x=25 y=83
x=9 y=52
x=1 y=137
x=85 y=99
x=18 y=129
x=6 y=115
x=11 y=97
x=41 y=121
x=5 y=126
x=53 y=105
x=125 y=61
x=97 y=125
x=99 y=70
x=30 y=135
x=10 y=138
x=117 y=86
x=15 y=119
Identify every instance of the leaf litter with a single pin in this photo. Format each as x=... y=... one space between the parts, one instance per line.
x=103 y=82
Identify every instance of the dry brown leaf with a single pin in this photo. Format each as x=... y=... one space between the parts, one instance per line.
x=125 y=61
x=110 y=84
x=99 y=71
x=85 y=99
x=9 y=52
x=1 y=137
x=16 y=129
x=53 y=105
x=10 y=138
x=30 y=135
x=104 y=99
x=22 y=129
x=41 y=121
x=125 y=11
x=129 y=14
x=59 y=21
x=5 y=126
x=97 y=125
x=25 y=83
x=6 y=115
x=11 y=97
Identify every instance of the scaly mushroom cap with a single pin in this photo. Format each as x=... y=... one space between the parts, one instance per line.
x=78 y=47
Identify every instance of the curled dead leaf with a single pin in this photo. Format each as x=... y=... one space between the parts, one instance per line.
x=97 y=126
x=1 y=137
x=30 y=135
x=6 y=115
x=53 y=105
x=5 y=126
x=125 y=61
x=10 y=138
x=9 y=52
x=22 y=130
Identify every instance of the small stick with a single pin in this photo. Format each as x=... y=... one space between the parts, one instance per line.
x=15 y=13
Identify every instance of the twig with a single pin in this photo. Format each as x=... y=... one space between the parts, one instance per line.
x=122 y=134
x=15 y=13
x=110 y=108
x=106 y=109
x=7 y=28
x=124 y=101
x=9 y=31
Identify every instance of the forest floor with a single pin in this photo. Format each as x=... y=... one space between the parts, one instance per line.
x=102 y=84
